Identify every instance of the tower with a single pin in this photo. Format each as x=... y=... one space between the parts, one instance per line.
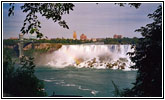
x=74 y=35
x=20 y=45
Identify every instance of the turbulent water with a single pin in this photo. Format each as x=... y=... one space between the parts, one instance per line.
x=93 y=56
x=84 y=82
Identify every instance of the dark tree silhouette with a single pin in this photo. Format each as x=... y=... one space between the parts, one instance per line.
x=21 y=81
x=148 y=59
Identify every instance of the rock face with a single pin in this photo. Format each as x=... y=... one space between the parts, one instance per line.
x=47 y=46
x=99 y=63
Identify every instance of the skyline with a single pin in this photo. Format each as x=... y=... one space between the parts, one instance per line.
x=99 y=21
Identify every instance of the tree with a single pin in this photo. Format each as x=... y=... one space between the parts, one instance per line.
x=148 y=59
x=21 y=81
x=52 y=11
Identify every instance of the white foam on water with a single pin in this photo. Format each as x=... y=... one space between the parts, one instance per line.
x=94 y=92
x=80 y=88
x=52 y=80
x=48 y=80
x=62 y=83
x=68 y=85
x=91 y=56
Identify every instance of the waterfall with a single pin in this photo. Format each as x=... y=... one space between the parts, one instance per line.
x=93 y=56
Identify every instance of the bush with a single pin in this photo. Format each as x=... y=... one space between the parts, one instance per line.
x=21 y=81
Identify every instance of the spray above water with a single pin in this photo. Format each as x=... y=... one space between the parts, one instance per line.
x=91 y=56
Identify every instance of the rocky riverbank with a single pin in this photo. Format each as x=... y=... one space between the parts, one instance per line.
x=98 y=63
x=46 y=46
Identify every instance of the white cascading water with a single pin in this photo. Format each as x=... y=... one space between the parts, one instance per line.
x=92 y=56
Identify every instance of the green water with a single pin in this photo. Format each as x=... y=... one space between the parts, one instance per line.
x=84 y=81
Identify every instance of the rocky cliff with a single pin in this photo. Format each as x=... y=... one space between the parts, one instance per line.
x=47 y=46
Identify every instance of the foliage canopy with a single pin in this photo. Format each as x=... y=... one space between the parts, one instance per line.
x=148 y=59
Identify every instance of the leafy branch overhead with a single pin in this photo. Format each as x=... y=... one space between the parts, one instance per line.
x=53 y=11
x=136 y=5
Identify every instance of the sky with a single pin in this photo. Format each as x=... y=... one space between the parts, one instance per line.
x=94 y=20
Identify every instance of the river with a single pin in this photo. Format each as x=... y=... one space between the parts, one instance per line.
x=84 y=82
x=86 y=70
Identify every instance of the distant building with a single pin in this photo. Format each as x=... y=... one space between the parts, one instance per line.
x=21 y=36
x=13 y=38
x=117 y=36
x=74 y=35
x=62 y=38
x=100 y=39
x=94 y=39
x=83 y=37
x=89 y=39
